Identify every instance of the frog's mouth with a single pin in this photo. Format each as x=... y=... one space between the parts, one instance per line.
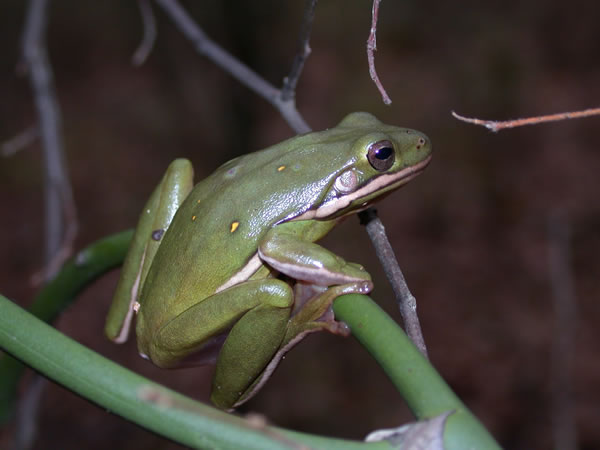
x=362 y=197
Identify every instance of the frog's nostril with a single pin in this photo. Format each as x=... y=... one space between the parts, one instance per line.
x=420 y=143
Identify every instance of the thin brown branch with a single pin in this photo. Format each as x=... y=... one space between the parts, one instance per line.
x=371 y=47
x=496 y=126
x=289 y=83
x=406 y=301
x=206 y=47
x=564 y=347
x=20 y=141
x=60 y=215
x=149 y=36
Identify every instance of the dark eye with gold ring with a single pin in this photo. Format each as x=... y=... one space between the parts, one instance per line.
x=381 y=155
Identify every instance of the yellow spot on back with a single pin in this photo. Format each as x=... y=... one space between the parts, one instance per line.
x=193 y=218
x=234 y=226
x=280 y=168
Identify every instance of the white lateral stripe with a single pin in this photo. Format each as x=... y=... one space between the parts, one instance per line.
x=244 y=273
x=133 y=295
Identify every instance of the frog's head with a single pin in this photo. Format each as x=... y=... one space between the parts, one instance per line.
x=373 y=159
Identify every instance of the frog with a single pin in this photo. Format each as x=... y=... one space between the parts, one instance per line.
x=229 y=272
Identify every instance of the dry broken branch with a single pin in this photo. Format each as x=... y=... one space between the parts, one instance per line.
x=149 y=36
x=496 y=126
x=288 y=91
x=371 y=47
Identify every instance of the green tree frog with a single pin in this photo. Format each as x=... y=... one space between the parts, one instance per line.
x=228 y=271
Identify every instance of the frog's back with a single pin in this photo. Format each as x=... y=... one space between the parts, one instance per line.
x=216 y=230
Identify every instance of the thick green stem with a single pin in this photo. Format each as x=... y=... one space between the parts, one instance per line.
x=56 y=296
x=131 y=396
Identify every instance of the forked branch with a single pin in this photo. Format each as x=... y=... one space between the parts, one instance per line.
x=217 y=54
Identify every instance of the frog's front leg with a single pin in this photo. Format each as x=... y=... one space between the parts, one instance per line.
x=158 y=212
x=322 y=277
x=289 y=248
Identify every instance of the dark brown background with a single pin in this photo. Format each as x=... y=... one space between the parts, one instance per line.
x=471 y=232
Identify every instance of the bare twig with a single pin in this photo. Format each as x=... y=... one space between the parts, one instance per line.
x=149 y=37
x=58 y=202
x=205 y=46
x=406 y=301
x=496 y=126
x=371 y=47
x=20 y=141
x=289 y=83
x=564 y=348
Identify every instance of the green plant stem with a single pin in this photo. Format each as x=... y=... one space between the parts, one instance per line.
x=57 y=295
x=421 y=386
x=131 y=396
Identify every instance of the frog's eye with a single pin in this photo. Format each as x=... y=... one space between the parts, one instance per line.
x=381 y=155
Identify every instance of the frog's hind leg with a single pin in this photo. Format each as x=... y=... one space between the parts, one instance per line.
x=254 y=313
x=158 y=212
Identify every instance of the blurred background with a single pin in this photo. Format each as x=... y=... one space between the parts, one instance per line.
x=471 y=233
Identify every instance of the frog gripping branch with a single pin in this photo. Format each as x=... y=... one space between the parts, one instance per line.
x=229 y=271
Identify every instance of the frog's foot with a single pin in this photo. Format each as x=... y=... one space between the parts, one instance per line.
x=314 y=315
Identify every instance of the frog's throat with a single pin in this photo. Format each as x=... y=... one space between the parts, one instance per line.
x=399 y=178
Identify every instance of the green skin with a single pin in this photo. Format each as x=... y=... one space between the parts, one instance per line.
x=236 y=277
